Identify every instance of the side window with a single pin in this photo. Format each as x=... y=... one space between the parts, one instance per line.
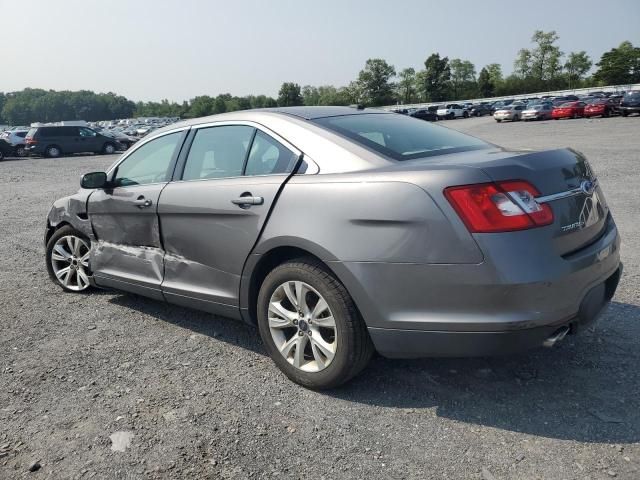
x=218 y=152
x=149 y=163
x=268 y=157
x=86 y=132
x=68 y=132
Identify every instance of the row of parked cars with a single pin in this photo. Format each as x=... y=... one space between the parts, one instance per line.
x=58 y=140
x=571 y=107
x=602 y=104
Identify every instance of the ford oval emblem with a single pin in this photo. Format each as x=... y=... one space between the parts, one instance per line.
x=588 y=187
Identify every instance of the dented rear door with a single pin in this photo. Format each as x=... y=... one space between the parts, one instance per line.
x=213 y=214
x=128 y=254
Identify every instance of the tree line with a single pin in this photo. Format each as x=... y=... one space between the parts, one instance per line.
x=541 y=67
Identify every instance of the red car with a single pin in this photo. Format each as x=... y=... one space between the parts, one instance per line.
x=568 y=110
x=603 y=107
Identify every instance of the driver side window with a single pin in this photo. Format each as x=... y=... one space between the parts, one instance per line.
x=149 y=163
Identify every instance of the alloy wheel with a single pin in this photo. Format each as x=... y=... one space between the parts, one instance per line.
x=70 y=262
x=302 y=326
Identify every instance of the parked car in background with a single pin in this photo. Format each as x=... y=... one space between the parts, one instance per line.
x=499 y=104
x=54 y=141
x=424 y=114
x=510 y=112
x=557 y=101
x=539 y=111
x=630 y=103
x=331 y=261
x=17 y=139
x=602 y=107
x=568 y=110
x=480 y=109
x=451 y=111
x=124 y=141
x=6 y=149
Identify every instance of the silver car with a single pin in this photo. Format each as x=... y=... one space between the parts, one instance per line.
x=510 y=112
x=339 y=231
x=539 y=111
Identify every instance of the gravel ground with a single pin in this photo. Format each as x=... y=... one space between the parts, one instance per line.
x=188 y=395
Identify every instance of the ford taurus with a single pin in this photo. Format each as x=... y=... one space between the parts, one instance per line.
x=341 y=231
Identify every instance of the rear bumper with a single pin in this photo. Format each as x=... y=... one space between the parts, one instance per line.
x=514 y=300
x=35 y=149
x=395 y=343
x=630 y=109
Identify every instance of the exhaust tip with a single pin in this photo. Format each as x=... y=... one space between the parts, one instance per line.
x=557 y=336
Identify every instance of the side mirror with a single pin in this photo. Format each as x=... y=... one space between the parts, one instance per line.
x=94 y=180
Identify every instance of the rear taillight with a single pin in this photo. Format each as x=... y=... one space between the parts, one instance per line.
x=30 y=141
x=499 y=207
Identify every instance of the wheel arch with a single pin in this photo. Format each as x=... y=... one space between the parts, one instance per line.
x=51 y=229
x=259 y=265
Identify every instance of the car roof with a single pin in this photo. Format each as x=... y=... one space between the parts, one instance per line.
x=311 y=113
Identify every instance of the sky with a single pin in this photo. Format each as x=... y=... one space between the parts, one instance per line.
x=177 y=49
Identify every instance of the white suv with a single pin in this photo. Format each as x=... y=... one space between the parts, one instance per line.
x=16 y=139
x=452 y=110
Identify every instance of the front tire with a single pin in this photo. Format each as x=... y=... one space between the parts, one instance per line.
x=68 y=259
x=310 y=326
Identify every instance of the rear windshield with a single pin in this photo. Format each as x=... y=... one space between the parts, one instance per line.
x=632 y=94
x=398 y=137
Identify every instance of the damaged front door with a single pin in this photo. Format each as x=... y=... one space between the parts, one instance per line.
x=128 y=254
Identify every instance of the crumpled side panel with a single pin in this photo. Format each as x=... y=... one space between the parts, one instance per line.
x=139 y=264
x=71 y=210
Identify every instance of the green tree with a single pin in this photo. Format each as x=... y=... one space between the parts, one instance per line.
x=407 y=85
x=545 y=57
x=434 y=79
x=219 y=106
x=375 y=82
x=576 y=66
x=522 y=63
x=201 y=106
x=495 y=73
x=619 y=66
x=290 y=95
x=541 y=65
x=463 y=77
x=485 y=84
x=310 y=95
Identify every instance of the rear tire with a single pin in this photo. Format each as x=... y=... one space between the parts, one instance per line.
x=21 y=151
x=498 y=120
x=352 y=347
x=52 y=151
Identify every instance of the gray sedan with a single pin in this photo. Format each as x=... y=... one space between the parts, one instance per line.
x=339 y=231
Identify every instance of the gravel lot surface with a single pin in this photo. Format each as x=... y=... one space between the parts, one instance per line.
x=112 y=385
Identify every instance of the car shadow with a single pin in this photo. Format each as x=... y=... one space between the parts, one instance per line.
x=585 y=389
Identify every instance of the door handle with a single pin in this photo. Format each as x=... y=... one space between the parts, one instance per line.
x=245 y=201
x=141 y=202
